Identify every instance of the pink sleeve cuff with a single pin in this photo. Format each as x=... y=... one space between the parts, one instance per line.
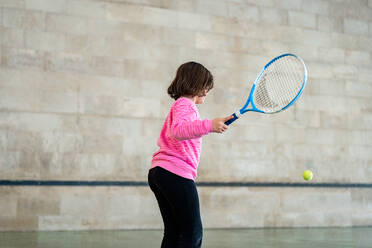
x=208 y=125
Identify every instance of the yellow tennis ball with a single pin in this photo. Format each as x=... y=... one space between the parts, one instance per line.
x=307 y=175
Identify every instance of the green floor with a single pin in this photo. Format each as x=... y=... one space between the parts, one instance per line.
x=286 y=238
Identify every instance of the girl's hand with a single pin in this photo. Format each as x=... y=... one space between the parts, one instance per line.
x=219 y=125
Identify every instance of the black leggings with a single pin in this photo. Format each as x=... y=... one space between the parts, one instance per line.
x=179 y=206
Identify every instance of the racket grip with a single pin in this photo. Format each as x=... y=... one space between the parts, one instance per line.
x=232 y=120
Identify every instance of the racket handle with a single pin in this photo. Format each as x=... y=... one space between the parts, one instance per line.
x=233 y=119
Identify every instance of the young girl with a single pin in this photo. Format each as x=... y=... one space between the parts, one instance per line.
x=174 y=166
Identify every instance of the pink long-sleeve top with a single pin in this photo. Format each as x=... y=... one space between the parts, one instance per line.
x=180 y=139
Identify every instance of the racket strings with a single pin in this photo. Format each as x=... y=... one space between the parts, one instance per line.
x=279 y=84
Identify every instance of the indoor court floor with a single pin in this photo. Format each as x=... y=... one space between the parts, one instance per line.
x=213 y=238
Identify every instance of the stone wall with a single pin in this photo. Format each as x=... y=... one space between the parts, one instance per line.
x=83 y=98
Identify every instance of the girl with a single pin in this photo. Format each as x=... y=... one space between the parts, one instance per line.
x=174 y=166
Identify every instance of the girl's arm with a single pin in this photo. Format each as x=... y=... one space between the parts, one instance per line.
x=185 y=124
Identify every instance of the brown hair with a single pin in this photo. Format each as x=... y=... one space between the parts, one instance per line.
x=191 y=79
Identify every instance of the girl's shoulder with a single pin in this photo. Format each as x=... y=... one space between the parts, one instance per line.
x=183 y=104
x=183 y=101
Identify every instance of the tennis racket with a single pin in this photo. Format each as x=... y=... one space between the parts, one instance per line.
x=278 y=86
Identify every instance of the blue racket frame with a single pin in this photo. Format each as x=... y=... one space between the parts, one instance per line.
x=245 y=108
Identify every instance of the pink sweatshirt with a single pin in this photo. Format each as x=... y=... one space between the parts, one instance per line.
x=180 y=139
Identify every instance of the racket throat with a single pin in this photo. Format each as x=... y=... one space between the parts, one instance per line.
x=249 y=106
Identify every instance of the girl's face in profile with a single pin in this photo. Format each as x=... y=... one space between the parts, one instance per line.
x=199 y=99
